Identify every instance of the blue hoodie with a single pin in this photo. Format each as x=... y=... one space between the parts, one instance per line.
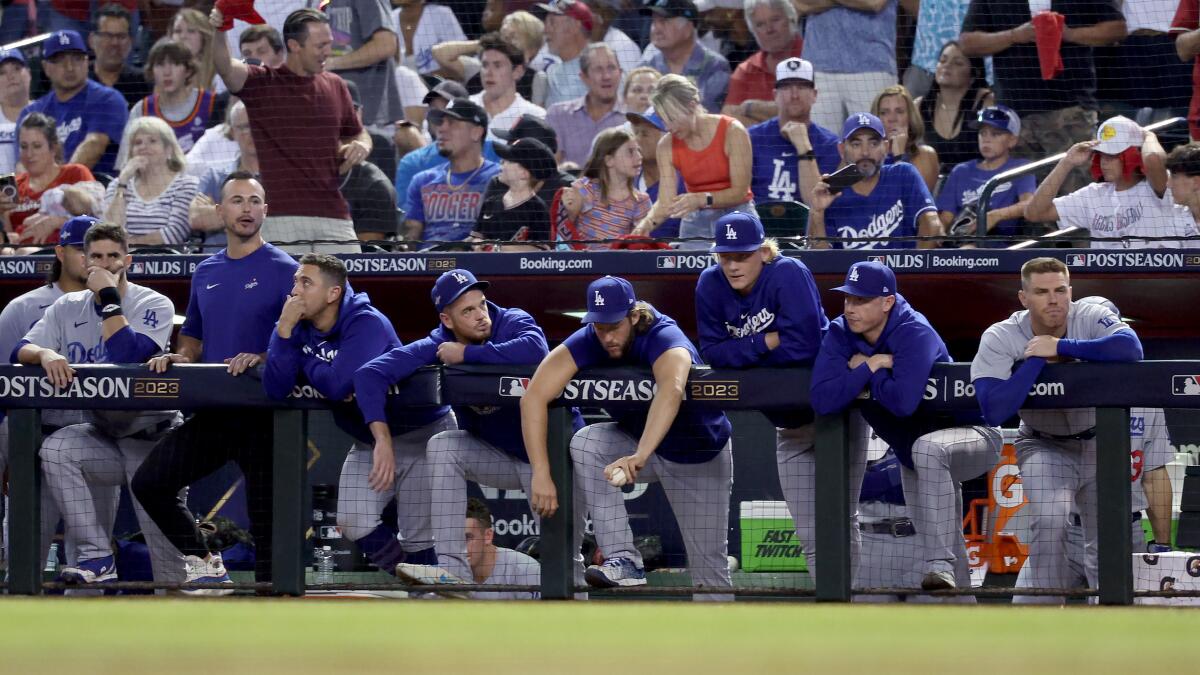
x=516 y=339
x=896 y=392
x=329 y=360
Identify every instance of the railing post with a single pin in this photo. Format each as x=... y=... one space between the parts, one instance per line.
x=832 y=445
x=558 y=558
x=1113 y=505
x=287 y=531
x=26 y=556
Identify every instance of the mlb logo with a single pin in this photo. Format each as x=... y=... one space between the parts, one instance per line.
x=137 y=268
x=1185 y=385
x=666 y=262
x=513 y=386
x=877 y=259
x=1076 y=260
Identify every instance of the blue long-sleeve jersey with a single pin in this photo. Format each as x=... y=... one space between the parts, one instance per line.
x=732 y=327
x=328 y=361
x=896 y=392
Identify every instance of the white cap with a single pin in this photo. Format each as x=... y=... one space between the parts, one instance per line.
x=709 y=5
x=1118 y=134
x=793 y=69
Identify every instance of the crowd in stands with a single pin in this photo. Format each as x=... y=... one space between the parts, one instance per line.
x=583 y=124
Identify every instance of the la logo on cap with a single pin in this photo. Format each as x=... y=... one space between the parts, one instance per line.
x=864 y=120
x=598 y=300
x=730 y=233
x=460 y=278
x=853 y=274
x=64 y=39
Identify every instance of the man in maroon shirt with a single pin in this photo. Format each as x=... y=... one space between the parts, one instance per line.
x=306 y=133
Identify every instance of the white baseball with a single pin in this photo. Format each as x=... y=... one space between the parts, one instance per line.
x=618 y=479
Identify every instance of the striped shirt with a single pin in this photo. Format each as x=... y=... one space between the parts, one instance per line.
x=166 y=213
x=608 y=220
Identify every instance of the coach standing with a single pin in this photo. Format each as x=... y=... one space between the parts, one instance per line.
x=305 y=130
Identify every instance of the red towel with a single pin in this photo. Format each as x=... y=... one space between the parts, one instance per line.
x=238 y=9
x=1048 y=29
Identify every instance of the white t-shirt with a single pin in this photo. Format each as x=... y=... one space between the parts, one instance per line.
x=512 y=568
x=629 y=55
x=438 y=24
x=1105 y=212
x=544 y=59
x=412 y=87
x=213 y=149
x=509 y=117
x=8 y=142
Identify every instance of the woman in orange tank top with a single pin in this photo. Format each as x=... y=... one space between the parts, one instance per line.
x=711 y=152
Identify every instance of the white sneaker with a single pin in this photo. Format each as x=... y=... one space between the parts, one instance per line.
x=206 y=571
x=942 y=580
x=430 y=575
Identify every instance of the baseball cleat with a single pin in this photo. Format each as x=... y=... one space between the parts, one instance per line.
x=206 y=571
x=615 y=572
x=94 y=571
x=939 y=581
x=430 y=575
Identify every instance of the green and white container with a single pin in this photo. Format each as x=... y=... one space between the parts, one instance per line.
x=769 y=542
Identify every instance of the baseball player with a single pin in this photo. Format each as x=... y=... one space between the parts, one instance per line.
x=883 y=345
x=491 y=564
x=890 y=550
x=688 y=451
x=235 y=296
x=1056 y=449
x=113 y=321
x=755 y=308
x=325 y=333
x=487 y=448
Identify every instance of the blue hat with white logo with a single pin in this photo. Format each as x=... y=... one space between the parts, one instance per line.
x=12 y=55
x=862 y=120
x=451 y=285
x=737 y=232
x=63 y=41
x=650 y=117
x=869 y=279
x=1000 y=117
x=74 y=230
x=609 y=300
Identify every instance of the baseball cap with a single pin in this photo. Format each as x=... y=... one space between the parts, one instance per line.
x=793 y=69
x=12 y=55
x=460 y=109
x=1118 y=134
x=709 y=5
x=862 y=120
x=447 y=89
x=576 y=10
x=649 y=117
x=73 y=231
x=1000 y=117
x=529 y=126
x=451 y=285
x=63 y=41
x=531 y=154
x=869 y=279
x=672 y=8
x=609 y=300
x=737 y=232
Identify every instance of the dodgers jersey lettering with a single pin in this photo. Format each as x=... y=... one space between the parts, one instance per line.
x=448 y=203
x=775 y=168
x=891 y=210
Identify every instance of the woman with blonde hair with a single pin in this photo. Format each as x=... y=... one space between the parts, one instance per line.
x=151 y=196
x=604 y=203
x=191 y=28
x=639 y=85
x=895 y=107
x=711 y=152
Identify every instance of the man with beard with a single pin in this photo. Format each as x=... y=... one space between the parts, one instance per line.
x=888 y=203
x=236 y=295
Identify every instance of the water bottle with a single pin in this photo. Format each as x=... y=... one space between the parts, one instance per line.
x=52 y=559
x=324 y=558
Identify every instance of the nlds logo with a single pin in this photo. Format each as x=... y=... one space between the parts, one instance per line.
x=900 y=260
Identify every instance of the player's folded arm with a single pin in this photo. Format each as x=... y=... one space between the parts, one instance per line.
x=128 y=346
x=1122 y=346
x=282 y=366
x=900 y=388
x=834 y=385
x=520 y=341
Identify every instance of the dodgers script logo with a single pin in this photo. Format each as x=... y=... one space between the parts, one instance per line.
x=755 y=323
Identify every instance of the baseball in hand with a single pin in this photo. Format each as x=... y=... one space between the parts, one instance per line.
x=618 y=478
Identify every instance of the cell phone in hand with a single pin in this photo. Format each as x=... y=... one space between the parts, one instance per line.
x=843 y=178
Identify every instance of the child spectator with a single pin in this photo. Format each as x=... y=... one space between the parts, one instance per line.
x=604 y=203
x=518 y=214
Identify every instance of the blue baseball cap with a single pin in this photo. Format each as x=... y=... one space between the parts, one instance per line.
x=737 y=232
x=869 y=279
x=451 y=285
x=1000 y=117
x=862 y=120
x=12 y=55
x=74 y=230
x=609 y=300
x=649 y=117
x=63 y=41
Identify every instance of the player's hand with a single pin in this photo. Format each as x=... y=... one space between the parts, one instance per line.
x=630 y=464
x=293 y=312
x=544 y=499
x=242 y=362
x=797 y=133
x=160 y=364
x=216 y=19
x=879 y=361
x=383 y=466
x=857 y=360
x=687 y=203
x=354 y=152
x=1045 y=346
x=1023 y=34
x=1080 y=153
x=58 y=371
x=100 y=278
x=451 y=353
x=821 y=198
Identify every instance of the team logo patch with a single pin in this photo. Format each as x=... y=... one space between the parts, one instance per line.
x=1108 y=132
x=1185 y=385
x=513 y=386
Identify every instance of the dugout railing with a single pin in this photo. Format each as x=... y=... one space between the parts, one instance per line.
x=24 y=392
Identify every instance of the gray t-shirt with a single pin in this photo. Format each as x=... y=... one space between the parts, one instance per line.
x=353 y=22
x=18 y=317
x=873 y=41
x=1003 y=345
x=512 y=568
x=1149 y=448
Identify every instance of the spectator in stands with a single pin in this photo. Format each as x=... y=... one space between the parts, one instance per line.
x=959 y=91
x=383 y=149
x=368 y=190
x=264 y=43
x=300 y=162
x=422 y=27
x=604 y=203
x=1186 y=28
x=752 y=90
x=999 y=129
x=47 y=191
x=938 y=22
x=675 y=49
x=151 y=196
x=568 y=27
x=723 y=29
x=14 y=96
x=890 y=201
x=111 y=41
x=491 y=564
x=443 y=203
x=906 y=132
x=649 y=129
x=1054 y=113
x=639 y=84
x=204 y=215
x=578 y=121
x=519 y=214
x=187 y=108
x=503 y=66
x=629 y=54
x=529 y=126
x=711 y=152
x=57 y=15
x=784 y=143
x=529 y=33
x=1130 y=202
x=460 y=61
x=851 y=72
x=191 y=28
x=90 y=116
x=1184 y=165
x=365 y=45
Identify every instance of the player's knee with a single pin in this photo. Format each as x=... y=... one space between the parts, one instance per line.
x=354 y=526
x=442 y=442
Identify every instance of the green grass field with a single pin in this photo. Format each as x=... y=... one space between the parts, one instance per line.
x=92 y=636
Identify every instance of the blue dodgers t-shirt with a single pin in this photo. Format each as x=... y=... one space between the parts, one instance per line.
x=774 y=171
x=695 y=436
x=95 y=109
x=966 y=181
x=891 y=210
x=448 y=203
x=234 y=304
